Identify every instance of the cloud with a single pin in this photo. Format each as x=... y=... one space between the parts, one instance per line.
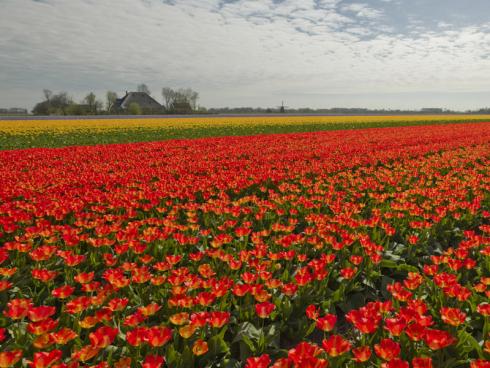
x=363 y=10
x=241 y=52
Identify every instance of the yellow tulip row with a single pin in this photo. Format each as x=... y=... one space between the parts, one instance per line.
x=19 y=127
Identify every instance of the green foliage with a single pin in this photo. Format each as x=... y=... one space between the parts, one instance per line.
x=134 y=109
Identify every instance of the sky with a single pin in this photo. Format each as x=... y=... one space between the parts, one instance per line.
x=399 y=54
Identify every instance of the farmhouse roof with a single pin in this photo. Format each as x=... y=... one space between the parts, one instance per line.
x=143 y=99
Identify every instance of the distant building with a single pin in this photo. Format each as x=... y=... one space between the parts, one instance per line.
x=13 y=111
x=147 y=104
x=432 y=110
x=181 y=108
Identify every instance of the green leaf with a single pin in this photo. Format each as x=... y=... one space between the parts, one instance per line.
x=407 y=268
x=468 y=343
x=217 y=346
x=172 y=356
x=310 y=329
x=391 y=256
x=386 y=263
x=232 y=363
x=250 y=344
x=187 y=357
x=249 y=330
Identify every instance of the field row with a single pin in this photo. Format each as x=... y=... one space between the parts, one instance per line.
x=335 y=249
x=59 y=133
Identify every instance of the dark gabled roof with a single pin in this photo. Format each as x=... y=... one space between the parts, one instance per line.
x=143 y=99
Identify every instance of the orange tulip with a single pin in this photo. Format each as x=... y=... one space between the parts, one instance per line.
x=200 y=347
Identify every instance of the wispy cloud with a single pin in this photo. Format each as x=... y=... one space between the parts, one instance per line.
x=363 y=11
x=246 y=52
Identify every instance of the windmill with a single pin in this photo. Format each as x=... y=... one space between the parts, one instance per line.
x=282 y=108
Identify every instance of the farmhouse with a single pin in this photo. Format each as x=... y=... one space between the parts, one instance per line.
x=432 y=110
x=181 y=108
x=14 y=111
x=144 y=100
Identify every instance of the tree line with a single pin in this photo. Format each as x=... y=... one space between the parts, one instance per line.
x=184 y=100
x=174 y=101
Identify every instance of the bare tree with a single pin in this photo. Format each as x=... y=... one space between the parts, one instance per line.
x=59 y=103
x=90 y=100
x=47 y=94
x=93 y=104
x=194 y=96
x=143 y=88
x=188 y=95
x=111 y=98
x=180 y=96
x=168 y=97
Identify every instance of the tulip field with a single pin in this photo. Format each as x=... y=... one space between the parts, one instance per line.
x=339 y=248
x=62 y=132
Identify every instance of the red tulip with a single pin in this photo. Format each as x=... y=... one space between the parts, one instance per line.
x=422 y=362
x=312 y=312
x=452 y=316
x=306 y=353
x=136 y=336
x=395 y=325
x=63 y=292
x=153 y=361
x=484 y=309
x=364 y=320
x=149 y=310
x=41 y=327
x=361 y=354
x=200 y=347
x=327 y=322
x=395 y=363
x=63 y=336
x=18 y=308
x=158 y=336
x=387 y=349
x=103 y=336
x=118 y=304
x=348 y=272
x=438 y=339
x=415 y=331
x=45 y=359
x=264 y=310
x=480 y=363
x=336 y=345
x=9 y=358
x=218 y=319
x=85 y=353
x=259 y=362
x=5 y=285
x=41 y=313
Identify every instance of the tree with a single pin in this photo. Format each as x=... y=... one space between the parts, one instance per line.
x=143 y=88
x=180 y=96
x=168 y=97
x=56 y=105
x=59 y=103
x=134 y=109
x=91 y=101
x=193 y=99
x=111 y=100
x=47 y=94
x=76 y=109
x=41 y=108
